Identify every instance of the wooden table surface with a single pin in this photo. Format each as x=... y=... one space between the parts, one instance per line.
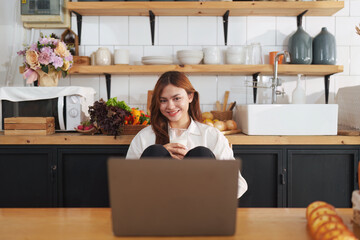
x=95 y=223
x=235 y=139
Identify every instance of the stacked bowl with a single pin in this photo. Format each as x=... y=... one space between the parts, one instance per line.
x=190 y=56
x=235 y=55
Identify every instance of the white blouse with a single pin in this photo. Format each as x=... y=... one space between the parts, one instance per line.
x=198 y=135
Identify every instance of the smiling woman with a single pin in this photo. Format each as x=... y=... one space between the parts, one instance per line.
x=175 y=108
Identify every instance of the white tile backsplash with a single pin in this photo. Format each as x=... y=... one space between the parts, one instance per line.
x=92 y=81
x=236 y=31
x=173 y=33
x=114 y=30
x=90 y=30
x=236 y=85
x=120 y=87
x=140 y=31
x=343 y=58
x=206 y=86
x=166 y=51
x=139 y=87
x=314 y=25
x=261 y=30
x=202 y=31
x=173 y=30
x=354 y=8
x=345 y=31
x=355 y=60
x=285 y=27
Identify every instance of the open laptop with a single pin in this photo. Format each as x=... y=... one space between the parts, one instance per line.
x=164 y=197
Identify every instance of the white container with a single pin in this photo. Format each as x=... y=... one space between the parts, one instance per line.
x=298 y=95
x=121 y=56
x=103 y=56
x=288 y=119
x=211 y=55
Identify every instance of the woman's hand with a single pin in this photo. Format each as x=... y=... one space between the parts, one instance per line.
x=176 y=150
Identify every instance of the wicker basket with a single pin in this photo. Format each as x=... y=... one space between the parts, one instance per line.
x=222 y=115
x=131 y=129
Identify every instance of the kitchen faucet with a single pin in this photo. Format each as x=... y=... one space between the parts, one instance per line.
x=275 y=80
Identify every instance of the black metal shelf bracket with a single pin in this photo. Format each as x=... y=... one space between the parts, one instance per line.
x=327 y=84
x=152 y=26
x=300 y=17
x=108 y=84
x=226 y=22
x=79 y=24
x=255 y=81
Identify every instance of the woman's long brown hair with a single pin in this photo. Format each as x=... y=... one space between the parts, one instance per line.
x=159 y=122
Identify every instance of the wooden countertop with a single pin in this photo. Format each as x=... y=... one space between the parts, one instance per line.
x=95 y=223
x=235 y=139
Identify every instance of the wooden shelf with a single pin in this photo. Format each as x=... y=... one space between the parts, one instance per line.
x=226 y=69
x=323 y=8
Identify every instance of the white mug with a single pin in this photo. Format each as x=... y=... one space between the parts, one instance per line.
x=211 y=55
x=121 y=56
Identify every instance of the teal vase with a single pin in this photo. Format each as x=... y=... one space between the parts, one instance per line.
x=324 y=48
x=300 y=47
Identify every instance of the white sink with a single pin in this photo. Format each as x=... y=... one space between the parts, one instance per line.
x=288 y=119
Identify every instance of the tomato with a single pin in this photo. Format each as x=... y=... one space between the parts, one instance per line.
x=128 y=120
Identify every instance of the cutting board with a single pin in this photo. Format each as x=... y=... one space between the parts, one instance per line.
x=231 y=132
x=349 y=132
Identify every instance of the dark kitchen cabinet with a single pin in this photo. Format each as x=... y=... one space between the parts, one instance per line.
x=27 y=176
x=277 y=175
x=295 y=176
x=321 y=173
x=262 y=167
x=82 y=175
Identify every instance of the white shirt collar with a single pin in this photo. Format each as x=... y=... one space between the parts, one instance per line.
x=193 y=128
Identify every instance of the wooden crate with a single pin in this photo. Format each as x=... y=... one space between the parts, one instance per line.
x=29 y=126
x=81 y=60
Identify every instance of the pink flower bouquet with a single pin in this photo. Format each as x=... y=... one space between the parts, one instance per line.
x=46 y=56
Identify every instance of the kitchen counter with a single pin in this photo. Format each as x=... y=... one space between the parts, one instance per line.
x=95 y=223
x=235 y=139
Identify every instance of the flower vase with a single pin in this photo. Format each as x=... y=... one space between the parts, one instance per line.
x=50 y=79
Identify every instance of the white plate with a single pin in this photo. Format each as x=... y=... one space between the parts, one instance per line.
x=157 y=62
x=156 y=57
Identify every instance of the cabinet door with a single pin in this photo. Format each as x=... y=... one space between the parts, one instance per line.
x=322 y=173
x=26 y=176
x=263 y=171
x=83 y=178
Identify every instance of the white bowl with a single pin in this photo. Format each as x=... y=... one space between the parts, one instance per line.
x=190 y=53
x=190 y=60
x=234 y=50
x=234 y=59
